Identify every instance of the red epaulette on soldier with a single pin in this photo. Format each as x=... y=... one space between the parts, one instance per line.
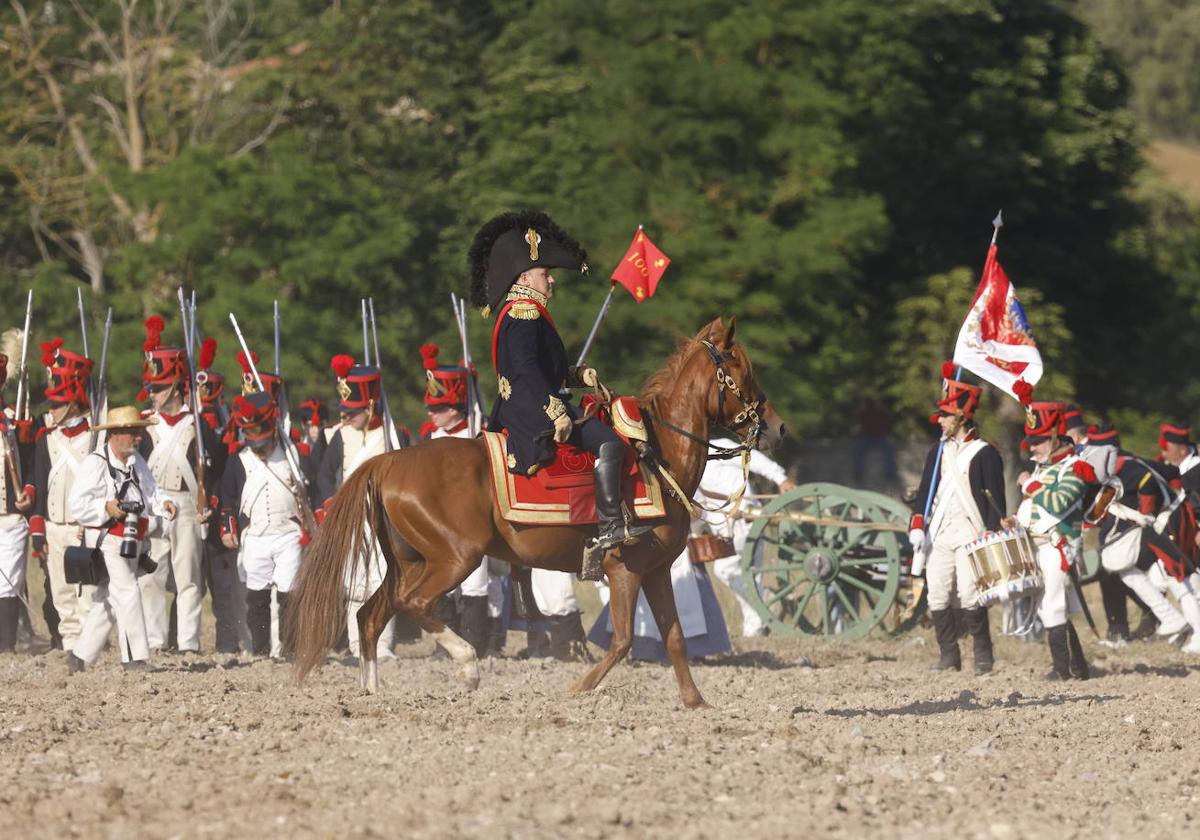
x=303 y=448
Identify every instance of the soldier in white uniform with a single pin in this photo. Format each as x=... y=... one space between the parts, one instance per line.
x=722 y=480
x=16 y=500
x=261 y=515
x=350 y=444
x=114 y=488
x=968 y=500
x=170 y=450
x=61 y=446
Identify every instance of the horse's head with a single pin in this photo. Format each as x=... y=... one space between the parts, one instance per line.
x=738 y=403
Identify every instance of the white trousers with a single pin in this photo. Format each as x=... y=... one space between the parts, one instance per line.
x=71 y=601
x=554 y=592
x=271 y=559
x=178 y=549
x=13 y=539
x=948 y=578
x=1170 y=620
x=1060 y=599
x=729 y=571
x=118 y=601
x=1184 y=591
x=476 y=584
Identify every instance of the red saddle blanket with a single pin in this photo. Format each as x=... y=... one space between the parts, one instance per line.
x=562 y=492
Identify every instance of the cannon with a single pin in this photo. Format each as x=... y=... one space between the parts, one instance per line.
x=832 y=561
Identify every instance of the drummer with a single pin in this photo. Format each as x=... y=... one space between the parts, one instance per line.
x=967 y=501
x=1053 y=512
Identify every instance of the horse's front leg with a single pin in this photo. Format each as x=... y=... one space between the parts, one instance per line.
x=661 y=598
x=623 y=588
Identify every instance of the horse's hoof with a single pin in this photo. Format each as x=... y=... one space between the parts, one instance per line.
x=696 y=705
x=470 y=675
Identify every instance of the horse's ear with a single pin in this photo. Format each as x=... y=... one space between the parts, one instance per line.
x=712 y=331
x=727 y=340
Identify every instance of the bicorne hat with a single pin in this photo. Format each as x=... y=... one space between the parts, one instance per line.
x=512 y=243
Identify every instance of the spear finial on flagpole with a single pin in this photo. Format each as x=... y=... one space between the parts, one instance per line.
x=997 y=223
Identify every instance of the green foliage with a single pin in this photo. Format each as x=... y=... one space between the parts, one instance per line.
x=823 y=169
x=1157 y=41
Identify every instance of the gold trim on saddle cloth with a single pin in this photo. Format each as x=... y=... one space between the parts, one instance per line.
x=625 y=425
x=557 y=513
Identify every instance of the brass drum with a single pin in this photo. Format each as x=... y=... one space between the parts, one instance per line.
x=1005 y=566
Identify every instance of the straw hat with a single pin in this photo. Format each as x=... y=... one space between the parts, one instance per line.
x=126 y=417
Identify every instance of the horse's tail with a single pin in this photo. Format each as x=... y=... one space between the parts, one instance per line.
x=317 y=604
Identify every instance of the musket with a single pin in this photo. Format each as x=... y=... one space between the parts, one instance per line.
x=285 y=411
x=301 y=490
x=460 y=319
x=366 y=343
x=84 y=336
x=13 y=456
x=22 y=408
x=187 y=316
x=99 y=401
x=387 y=412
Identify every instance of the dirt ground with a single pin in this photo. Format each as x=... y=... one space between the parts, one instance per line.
x=805 y=738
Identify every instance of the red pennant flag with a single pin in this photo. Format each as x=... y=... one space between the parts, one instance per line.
x=641 y=268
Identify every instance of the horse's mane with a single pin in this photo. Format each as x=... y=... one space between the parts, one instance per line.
x=665 y=377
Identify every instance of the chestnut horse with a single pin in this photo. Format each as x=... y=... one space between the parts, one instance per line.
x=433 y=511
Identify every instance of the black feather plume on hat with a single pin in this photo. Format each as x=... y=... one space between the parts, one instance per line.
x=500 y=252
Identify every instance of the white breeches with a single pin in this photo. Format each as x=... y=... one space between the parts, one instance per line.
x=554 y=592
x=13 y=540
x=270 y=559
x=1184 y=591
x=948 y=579
x=1059 y=600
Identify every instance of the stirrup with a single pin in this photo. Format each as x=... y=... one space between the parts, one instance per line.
x=593 y=560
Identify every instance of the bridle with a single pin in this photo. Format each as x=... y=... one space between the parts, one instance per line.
x=750 y=412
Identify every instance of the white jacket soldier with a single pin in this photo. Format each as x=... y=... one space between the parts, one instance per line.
x=967 y=501
x=261 y=514
x=172 y=453
x=61 y=447
x=113 y=498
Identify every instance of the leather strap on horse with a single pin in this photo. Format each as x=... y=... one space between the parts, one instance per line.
x=695 y=508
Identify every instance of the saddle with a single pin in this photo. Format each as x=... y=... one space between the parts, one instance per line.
x=561 y=492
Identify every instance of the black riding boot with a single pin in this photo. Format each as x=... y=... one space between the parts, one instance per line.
x=614 y=530
x=10 y=609
x=1060 y=653
x=945 y=629
x=567 y=640
x=1116 y=607
x=981 y=638
x=475 y=622
x=258 y=620
x=285 y=649
x=1078 y=662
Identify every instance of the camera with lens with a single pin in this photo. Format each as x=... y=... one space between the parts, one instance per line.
x=129 y=536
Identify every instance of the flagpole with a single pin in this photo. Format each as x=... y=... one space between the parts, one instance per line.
x=997 y=223
x=587 y=345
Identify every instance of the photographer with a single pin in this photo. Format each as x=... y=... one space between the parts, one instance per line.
x=112 y=497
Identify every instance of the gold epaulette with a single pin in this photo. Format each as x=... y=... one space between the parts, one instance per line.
x=524 y=311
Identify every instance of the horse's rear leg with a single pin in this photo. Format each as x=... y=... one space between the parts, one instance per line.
x=623 y=591
x=372 y=618
x=661 y=598
x=418 y=605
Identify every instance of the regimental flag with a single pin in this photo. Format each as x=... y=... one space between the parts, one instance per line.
x=641 y=268
x=995 y=342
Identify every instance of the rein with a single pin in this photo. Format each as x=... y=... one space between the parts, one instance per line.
x=750 y=412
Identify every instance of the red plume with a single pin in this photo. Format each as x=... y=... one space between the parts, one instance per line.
x=1024 y=392
x=50 y=351
x=155 y=324
x=429 y=352
x=341 y=365
x=245 y=365
x=948 y=369
x=208 y=353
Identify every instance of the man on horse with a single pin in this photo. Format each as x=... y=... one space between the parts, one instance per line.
x=510 y=262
